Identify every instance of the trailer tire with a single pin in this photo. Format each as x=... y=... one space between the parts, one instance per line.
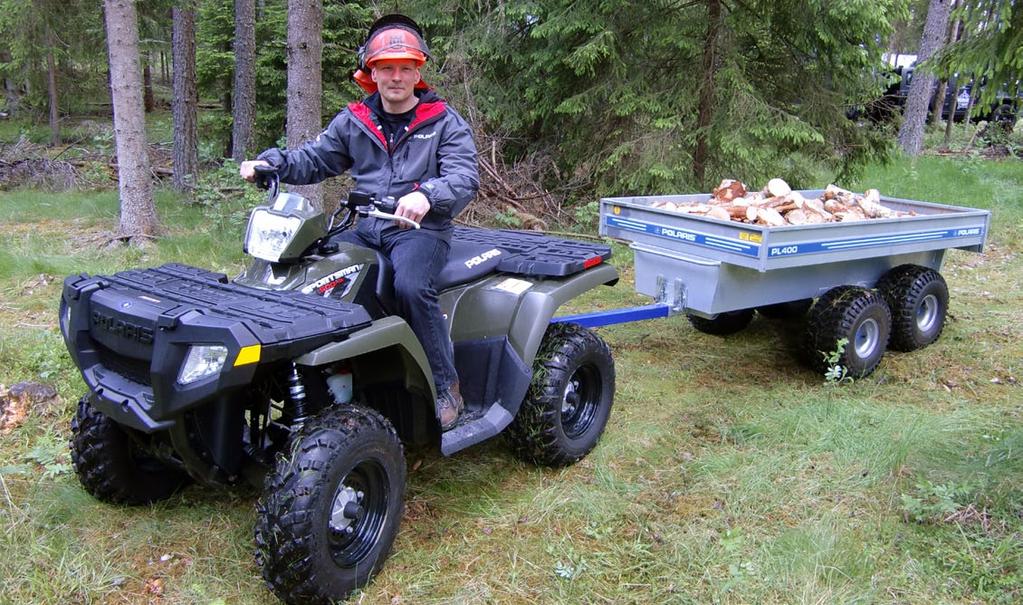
x=569 y=401
x=112 y=467
x=858 y=315
x=918 y=299
x=793 y=309
x=724 y=323
x=331 y=506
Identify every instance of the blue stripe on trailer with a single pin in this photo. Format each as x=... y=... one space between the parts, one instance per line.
x=690 y=237
x=618 y=316
x=880 y=240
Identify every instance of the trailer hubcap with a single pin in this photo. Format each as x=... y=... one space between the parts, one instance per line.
x=866 y=338
x=927 y=313
x=357 y=513
x=580 y=400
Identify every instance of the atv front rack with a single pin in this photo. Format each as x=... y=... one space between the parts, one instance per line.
x=130 y=333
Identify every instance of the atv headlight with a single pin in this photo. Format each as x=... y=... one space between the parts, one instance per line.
x=269 y=234
x=202 y=361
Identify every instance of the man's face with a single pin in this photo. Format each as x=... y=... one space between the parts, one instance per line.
x=396 y=79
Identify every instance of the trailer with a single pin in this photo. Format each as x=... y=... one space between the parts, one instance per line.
x=876 y=282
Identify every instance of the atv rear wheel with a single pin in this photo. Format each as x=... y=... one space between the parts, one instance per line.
x=723 y=324
x=331 y=507
x=918 y=298
x=112 y=466
x=857 y=315
x=569 y=401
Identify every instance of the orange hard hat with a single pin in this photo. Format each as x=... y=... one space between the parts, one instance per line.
x=395 y=43
x=390 y=37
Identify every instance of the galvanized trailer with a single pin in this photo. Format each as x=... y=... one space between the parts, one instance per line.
x=874 y=280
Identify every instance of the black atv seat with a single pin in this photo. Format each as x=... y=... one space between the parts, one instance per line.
x=468 y=261
x=476 y=253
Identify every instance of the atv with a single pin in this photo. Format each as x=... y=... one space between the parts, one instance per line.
x=297 y=377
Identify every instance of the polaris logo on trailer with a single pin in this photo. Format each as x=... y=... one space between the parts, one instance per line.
x=482 y=258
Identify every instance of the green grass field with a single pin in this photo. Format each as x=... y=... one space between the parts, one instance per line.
x=728 y=473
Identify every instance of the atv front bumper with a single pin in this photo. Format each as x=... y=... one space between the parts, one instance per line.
x=130 y=334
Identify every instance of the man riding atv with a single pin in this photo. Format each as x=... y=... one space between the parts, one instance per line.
x=402 y=141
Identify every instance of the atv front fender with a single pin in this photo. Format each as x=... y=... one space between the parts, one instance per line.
x=382 y=334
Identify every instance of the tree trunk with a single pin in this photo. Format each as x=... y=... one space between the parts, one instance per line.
x=148 y=98
x=138 y=214
x=951 y=111
x=10 y=89
x=938 y=104
x=51 y=88
x=226 y=104
x=163 y=68
x=186 y=100
x=911 y=135
x=305 y=50
x=244 y=110
x=709 y=66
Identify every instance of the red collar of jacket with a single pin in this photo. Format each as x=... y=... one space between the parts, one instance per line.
x=426 y=112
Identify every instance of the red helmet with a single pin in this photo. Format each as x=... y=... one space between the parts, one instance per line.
x=390 y=37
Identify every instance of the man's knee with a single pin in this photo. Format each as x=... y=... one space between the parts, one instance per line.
x=413 y=287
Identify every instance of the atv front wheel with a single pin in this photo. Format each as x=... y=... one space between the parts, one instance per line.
x=569 y=401
x=331 y=507
x=112 y=466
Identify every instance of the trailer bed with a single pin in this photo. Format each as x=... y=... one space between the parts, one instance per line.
x=708 y=266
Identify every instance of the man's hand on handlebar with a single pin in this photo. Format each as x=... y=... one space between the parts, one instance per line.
x=248 y=169
x=412 y=206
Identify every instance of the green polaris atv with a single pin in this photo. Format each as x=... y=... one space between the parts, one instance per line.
x=297 y=376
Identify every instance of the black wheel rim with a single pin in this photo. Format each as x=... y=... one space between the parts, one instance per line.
x=580 y=401
x=357 y=513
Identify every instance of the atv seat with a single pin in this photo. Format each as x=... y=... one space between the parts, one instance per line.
x=468 y=261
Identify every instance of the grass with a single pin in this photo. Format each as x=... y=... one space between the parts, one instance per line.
x=728 y=473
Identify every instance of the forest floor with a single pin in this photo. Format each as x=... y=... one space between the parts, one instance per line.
x=728 y=473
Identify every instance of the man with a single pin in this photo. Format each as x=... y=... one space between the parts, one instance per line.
x=403 y=141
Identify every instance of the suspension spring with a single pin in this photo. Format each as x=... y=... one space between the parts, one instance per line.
x=296 y=395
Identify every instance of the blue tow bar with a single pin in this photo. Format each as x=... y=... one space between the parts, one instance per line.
x=618 y=316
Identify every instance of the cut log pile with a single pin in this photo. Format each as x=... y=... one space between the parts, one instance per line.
x=778 y=205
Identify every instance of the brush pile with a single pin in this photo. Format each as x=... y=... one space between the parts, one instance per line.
x=778 y=205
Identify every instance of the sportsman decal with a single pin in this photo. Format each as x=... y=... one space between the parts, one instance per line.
x=325 y=286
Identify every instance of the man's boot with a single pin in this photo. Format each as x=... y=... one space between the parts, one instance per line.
x=449 y=406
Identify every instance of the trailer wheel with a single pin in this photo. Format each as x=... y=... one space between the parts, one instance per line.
x=918 y=298
x=112 y=466
x=857 y=315
x=331 y=506
x=724 y=323
x=569 y=401
x=792 y=309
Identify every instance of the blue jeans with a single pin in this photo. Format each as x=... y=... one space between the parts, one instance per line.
x=417 y=258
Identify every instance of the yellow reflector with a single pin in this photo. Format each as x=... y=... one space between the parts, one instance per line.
x=247 y=355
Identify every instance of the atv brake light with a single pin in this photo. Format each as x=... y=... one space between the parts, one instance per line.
x=269 y=234
x=202 y=361
x=592 y=261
